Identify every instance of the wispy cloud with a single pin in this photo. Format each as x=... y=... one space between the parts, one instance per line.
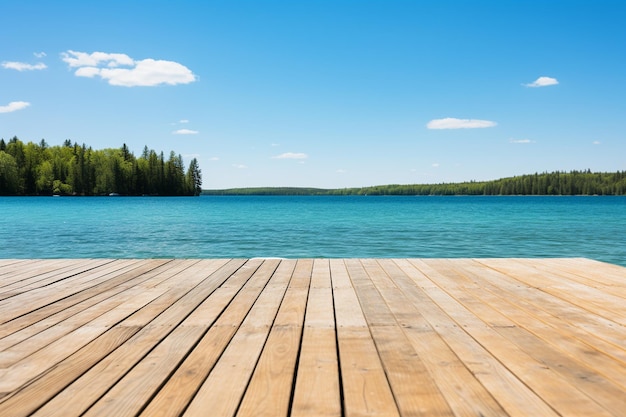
x=23 y=66
x=596 y=142
x=122 y=70
x=543 y=82
x=39 y=54
x=436 y=165
x=82 y=59
x=14 y=106
x=512 y=140
x=183 y=121
x=291 y=155
x=240 y=166
x=185 y=132
x=453 y=123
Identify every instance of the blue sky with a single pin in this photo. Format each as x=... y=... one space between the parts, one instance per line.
x=324 y=93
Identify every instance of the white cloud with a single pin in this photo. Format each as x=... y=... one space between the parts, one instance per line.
x=214 y=158
x=435 y=165
x=291 y=155
x=88 y=72
x=96 y=59
x=341 y=171
x=39 y=54
x=543 y=82
x=521 y=141
x=596 y=142
x=453 y=123
x=22 y=66
x=147 y=73
x=14 y=106
x=240 y=166
x=185 y=132
x=122 y=70
x=184 y=121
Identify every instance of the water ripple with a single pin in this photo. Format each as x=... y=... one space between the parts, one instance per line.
x=293 y=227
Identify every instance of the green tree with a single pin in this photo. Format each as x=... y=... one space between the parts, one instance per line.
x=9 y=179
x=174 y=175
x=45 y=178
x=15 y=148
x=194 y=178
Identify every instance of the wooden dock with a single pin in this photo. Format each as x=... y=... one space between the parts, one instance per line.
x=312 y=337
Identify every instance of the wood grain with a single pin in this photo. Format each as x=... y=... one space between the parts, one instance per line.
x=312 y=337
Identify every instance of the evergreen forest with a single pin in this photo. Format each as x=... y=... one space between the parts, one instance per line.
x=72 y=169
x=553 y=183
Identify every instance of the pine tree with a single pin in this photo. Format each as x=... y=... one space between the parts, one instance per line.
x=194 y=178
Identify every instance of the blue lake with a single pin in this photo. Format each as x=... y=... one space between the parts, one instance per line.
x=324 y=226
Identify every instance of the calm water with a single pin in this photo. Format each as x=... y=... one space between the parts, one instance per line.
x=293 y=227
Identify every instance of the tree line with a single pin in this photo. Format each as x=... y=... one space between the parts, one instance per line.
x=553 y=183
x=73 y=169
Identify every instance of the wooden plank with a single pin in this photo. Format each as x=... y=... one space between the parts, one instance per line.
x=49 y=333
x=27 y=302
x=597 y=330
x=508 y=390
x=269 y=390
x=48 y=274
x=13 y=272
x=37 y=393
x=225 y=385
x=599 y=283
x=599 y=275
x=245 y=286
x=33 y=270
x=191 y=283
x=598 y=302
x=402 y=363
x=129 y=395
x=10 y=356
x=462 y=391
x=555 y=325
x=24 y=402
x=317 y=391
x=595 y=273
x=313 y=337
x=17 y=374
x=10 y=266
x=375 y=311
x=58 y=311
x=156 y=320
x=365 y=387
x=548 y=383
x=549 y=346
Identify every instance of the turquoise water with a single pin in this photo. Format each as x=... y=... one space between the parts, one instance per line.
x=294 y=227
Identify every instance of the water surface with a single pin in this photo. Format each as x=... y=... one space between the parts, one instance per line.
x=320 y=226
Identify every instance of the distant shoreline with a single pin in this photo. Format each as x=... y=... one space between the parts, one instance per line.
x=583 y=183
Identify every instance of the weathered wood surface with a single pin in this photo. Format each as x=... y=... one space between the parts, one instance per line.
x=312 y=337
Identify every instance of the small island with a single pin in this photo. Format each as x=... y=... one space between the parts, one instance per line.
x=28 y=169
